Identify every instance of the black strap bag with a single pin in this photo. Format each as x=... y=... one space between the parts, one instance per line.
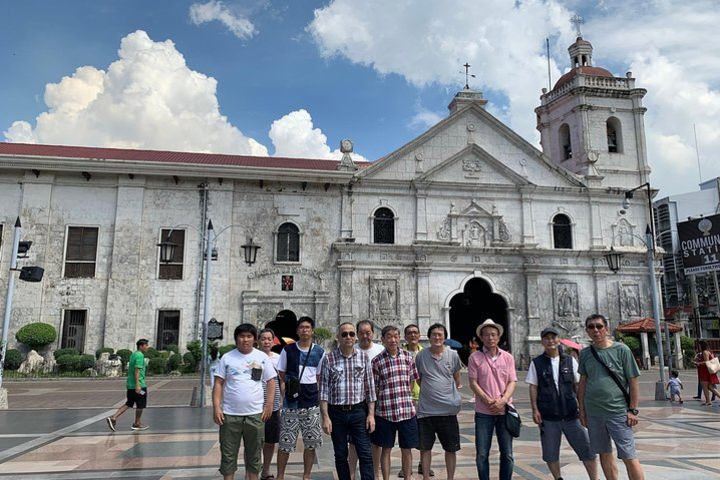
x=612 y=374
x=292 y=384
x=513 y=423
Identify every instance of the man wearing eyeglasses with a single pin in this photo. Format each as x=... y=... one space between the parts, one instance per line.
x=603 y=407
x=347 y=402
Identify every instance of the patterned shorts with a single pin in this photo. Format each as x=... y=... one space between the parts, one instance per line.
x=293 y=421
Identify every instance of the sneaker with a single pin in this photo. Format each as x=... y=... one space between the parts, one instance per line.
x=111 y=423
x=139 y=427
x=401 y=474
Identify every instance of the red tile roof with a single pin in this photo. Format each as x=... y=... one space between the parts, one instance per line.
x=592 y=71
x=66 y=151
x=646 y=325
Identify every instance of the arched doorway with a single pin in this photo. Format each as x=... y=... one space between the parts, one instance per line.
x=284 y=325
x=474 y=305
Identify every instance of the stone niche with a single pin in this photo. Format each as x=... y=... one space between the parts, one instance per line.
x=384 y=301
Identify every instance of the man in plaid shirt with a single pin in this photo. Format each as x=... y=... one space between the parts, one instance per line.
x=394 y=372
x=347 y=402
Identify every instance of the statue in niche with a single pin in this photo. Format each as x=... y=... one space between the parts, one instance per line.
x=566 y=299
x=383 y=299
x=625 y=234
x=474 y=235
x=630 y=301
x=445 y=232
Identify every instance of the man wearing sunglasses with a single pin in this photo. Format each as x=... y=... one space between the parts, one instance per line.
x=603 y=407
x=347 y=402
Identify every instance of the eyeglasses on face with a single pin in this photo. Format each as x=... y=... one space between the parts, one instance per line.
x=347 y=334
x=595 y=326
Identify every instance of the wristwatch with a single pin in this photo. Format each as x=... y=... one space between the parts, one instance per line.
x=634 y=411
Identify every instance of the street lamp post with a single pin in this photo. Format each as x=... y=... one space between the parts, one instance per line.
x=613 y=260
x=8 y=299
x=167 y=250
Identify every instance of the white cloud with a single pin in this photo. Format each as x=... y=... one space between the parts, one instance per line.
x=430 y=40
x=670 y=46
x=217 y=11
x=294 y=135
x=148 y=98
x=424 y=119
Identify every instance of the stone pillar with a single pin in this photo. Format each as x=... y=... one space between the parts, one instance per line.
x=346 y=269
x=528 y=222
x=679 y=360
x=596 y=240
x=532 y=312
x=645 y=349
x=422 y=275
x=346 y=212
x=420 y=215
x=120 y=327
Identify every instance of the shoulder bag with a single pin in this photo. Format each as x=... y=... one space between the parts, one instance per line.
x=713 y=365
x=612 y=374
x=292 y=385
x=513 y=423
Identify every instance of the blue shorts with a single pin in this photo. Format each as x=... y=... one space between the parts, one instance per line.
x=602 y=429
x=384 y=433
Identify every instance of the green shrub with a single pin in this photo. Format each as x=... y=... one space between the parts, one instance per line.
x=226 y=348
x=633 y=343
x=124 y=355
x=100 y=351
x=157 y=365
x=195 y=347
x=322 y=334
x=172 y=348
x=36 y=335
x=66 y=363
x=65 y=351
x=165 y=354
x=152 y=353
x=174 y=362
x=13 y=359
x=189 y=362
x=84 y=362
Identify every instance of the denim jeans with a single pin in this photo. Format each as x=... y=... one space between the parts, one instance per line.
x=353 y=423
x=484 y=426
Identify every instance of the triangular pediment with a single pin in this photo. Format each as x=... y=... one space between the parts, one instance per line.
x=473 y=165
x=502 y=151
x=474 y=210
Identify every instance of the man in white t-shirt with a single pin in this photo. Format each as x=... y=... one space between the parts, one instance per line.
x=553 y=378
x=238 y=404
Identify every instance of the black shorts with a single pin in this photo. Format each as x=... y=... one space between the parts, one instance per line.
x=445 y=427
x=272 y=428
x=136 y=400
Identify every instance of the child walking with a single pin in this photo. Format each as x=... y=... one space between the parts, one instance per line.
x=674 y=385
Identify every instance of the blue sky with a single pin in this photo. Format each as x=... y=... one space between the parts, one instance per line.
x=295 y=77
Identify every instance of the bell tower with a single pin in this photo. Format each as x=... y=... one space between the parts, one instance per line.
x=592 y=123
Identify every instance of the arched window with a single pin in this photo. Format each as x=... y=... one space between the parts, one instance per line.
x=565 y=144
x=383 y=226
x=288 y=243
x=562 y=231
x=614 y=135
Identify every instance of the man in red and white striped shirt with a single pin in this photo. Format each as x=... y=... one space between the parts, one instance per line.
x=394 y=372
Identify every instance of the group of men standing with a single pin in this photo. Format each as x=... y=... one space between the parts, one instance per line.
x=364 y=395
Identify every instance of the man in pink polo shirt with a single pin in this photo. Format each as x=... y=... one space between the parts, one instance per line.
x=492 y=376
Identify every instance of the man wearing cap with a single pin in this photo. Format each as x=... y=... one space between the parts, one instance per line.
x=491 y=372
x=553 y=378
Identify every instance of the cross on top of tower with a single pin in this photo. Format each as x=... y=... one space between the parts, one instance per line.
x=577 y=20
x=468 y=75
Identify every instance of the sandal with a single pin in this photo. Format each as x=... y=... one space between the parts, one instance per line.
x=267 y=477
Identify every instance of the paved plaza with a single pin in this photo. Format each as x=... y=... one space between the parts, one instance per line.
x=56 y=430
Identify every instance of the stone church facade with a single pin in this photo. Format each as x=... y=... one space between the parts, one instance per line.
x=465 y=222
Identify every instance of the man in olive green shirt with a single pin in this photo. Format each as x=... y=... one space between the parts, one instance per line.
x=136 y=388
x=603 y=408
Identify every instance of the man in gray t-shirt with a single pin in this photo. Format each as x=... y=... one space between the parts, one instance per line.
x=439 y=403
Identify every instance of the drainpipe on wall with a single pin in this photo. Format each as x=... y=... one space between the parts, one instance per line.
x=201 y=264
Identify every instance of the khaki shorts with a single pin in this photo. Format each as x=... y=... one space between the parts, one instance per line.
x=251 y=430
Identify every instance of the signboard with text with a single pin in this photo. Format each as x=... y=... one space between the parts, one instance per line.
x=700 y=244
